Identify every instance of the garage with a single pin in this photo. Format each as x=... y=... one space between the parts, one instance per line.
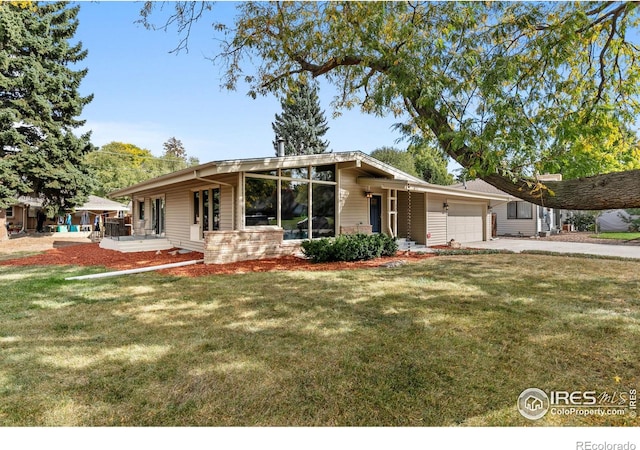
x=464 y=222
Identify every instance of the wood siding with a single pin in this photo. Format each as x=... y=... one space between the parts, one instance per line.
x=418 y=218
x=436 y=220
x=352 y=203
x=514 y=227
x=179 y=210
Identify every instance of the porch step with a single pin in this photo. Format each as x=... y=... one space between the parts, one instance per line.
x=136 y=245
x=404 y=245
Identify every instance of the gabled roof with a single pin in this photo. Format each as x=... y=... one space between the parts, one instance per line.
x=382 y=174
x=478 y=185
x=260 y=164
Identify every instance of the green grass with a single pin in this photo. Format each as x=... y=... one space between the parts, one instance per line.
x=617 y=236
x=448 y=341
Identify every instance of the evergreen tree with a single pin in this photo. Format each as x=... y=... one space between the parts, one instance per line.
x=174 y=154
x=302 y=123
x=39 y=106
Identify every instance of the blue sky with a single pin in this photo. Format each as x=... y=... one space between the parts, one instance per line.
x=144 y=94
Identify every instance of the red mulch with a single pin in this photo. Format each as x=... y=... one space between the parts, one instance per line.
x=93 y=255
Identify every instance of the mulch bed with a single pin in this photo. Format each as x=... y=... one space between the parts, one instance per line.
x=93 y=255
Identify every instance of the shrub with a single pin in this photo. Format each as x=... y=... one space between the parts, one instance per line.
x=350 y=247
x=583 y=221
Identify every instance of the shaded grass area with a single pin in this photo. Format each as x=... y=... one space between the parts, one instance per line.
x=446 y=341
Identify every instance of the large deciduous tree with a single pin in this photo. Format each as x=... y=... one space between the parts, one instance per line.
x=40 y=105
x=118 y=165
x=302 y=123
x=507 y=89
x=400 y=159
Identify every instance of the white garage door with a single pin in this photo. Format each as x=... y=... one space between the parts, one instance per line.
x=464 y=222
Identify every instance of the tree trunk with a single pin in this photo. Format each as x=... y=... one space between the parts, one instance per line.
x=4 y=235
x=617 y=190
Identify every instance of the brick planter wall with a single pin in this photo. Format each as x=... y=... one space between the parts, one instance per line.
x=221 y=247
x=356 y=229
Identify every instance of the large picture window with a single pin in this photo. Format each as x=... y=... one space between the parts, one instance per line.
x=261 y=201
x=300 y=200
x=519 y=210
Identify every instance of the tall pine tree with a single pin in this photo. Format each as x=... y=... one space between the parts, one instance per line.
x=39 y=106
x=302 y=123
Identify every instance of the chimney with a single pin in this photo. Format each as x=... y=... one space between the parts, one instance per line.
x=280 y=147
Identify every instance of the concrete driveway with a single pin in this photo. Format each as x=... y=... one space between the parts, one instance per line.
x=519 y=245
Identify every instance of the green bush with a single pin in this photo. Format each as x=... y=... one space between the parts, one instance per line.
x=583 y=221
x=350 y=247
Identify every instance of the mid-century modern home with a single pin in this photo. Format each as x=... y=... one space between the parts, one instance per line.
x=264 y=207
x=517 y=217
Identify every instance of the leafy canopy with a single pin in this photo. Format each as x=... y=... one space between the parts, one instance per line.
x=507 y=89
x=118 y=165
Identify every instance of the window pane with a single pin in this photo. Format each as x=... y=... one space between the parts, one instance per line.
x=273 y=173
x=300 y=172
x=196 y=207
x=323 y=173
x=261 y=202
x=295 y=209
x=216 y=208
x=524 y=210
x=512 y=210
x=324 y=206
x=205 y=210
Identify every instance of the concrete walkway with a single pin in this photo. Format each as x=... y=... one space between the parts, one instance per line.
x=518 y=245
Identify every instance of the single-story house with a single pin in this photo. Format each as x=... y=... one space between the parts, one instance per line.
x=516 y=217
x=22 y=216
x=263 y=207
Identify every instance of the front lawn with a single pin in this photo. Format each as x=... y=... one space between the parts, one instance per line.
x=451 y=340
x=617 y=236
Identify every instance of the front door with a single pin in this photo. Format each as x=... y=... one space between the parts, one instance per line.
x=375 y=213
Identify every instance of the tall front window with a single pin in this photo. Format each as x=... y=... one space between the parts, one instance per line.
x=206 y=209
x=324 y=210
x=294 y=217
x=141 y=210
x=300 y=200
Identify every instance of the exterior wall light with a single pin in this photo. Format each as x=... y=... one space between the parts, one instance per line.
x=445 y=206
x=368 y=194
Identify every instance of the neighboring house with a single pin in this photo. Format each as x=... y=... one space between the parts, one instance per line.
x=257 y=208
x=516 y=217
x=614 y=220
x=22 y=216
